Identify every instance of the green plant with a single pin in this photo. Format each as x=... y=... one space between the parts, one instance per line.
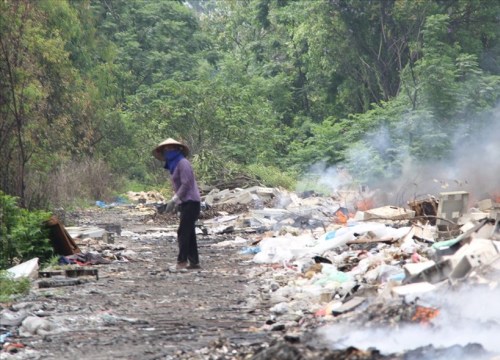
x=9 y=287
x=51 y=263
x=22 y=233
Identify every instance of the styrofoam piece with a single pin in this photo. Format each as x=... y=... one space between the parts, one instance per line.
x=359 y=216
x=412 y=289
x=389 y=213
x=485 y=204
x=279 y=249
x=467 y=226
x=27 y=269
x=427 y=232
x=415 y=268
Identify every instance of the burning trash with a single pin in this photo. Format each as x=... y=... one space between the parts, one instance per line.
x=423 y=315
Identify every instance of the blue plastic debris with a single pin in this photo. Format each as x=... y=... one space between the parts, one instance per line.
x=100 y=204
x=250 y=250
x=4 y=337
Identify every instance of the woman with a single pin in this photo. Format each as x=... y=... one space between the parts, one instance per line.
x=186 y=197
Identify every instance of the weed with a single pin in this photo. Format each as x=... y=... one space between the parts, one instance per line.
x=10 y=288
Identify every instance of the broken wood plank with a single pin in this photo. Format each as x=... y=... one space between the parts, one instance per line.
x=370 y=240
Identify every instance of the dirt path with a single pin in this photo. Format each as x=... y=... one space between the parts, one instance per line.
x=142 y=310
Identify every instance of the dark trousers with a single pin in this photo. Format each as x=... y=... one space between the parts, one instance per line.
x=186 y=233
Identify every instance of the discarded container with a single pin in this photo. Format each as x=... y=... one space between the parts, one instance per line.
x=452 y=205
x=62 y=242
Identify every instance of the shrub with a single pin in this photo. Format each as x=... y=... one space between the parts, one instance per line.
x=22 y=233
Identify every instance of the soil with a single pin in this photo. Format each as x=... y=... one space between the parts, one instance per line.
x=145 y=309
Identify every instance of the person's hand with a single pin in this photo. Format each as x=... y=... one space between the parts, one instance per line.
x=161 y=208
x=171 y=204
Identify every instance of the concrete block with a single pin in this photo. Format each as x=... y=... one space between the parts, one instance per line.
x=467 y=226
x=464 y=267
x=433 y=274
x=477 y=216
x=243 y=197
x=452 y=205
x=263 y=192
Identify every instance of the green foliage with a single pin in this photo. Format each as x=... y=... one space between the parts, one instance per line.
x=22 y=233
x=272 y=176
x=10 y=288
x=254 y=87
x=51 y=263
x=210 y=168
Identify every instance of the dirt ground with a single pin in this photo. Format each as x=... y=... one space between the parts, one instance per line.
x=143 y=309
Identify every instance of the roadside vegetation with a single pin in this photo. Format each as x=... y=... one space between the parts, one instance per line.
x=22 y=233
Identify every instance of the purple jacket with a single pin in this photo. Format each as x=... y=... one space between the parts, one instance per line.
x=184 y=183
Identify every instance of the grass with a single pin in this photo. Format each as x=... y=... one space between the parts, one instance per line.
x=10 y=288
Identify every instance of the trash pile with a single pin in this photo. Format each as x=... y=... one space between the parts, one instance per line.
x=335 y=269
x=326 y=263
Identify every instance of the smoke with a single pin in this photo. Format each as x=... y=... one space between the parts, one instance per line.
x=472 y=165
x=470 y=316
x=466 y=157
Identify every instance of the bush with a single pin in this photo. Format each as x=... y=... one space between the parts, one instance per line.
x=272 y=176
x=22 y=233
x=72 y=184
x=211 y=168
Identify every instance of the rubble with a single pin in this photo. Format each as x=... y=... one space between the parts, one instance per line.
x=313 y=266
